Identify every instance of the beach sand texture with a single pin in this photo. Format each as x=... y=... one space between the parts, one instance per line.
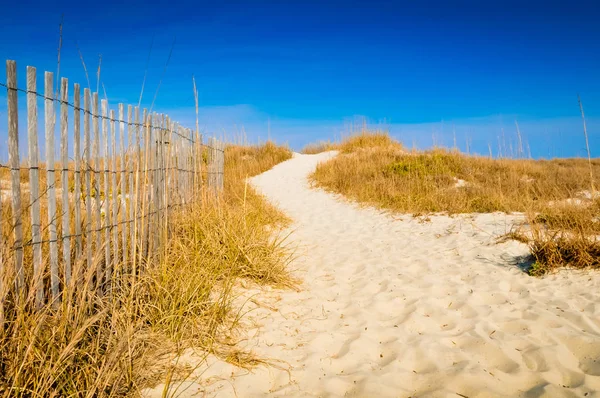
x=390 y=306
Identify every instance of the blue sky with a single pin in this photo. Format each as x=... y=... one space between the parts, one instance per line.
x=310 y=68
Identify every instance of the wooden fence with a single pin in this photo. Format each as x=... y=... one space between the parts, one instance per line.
x=105 y=202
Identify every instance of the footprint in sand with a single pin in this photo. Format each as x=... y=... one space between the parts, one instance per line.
x=416 y=321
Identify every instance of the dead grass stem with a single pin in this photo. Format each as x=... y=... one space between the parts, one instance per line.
x=120 y=343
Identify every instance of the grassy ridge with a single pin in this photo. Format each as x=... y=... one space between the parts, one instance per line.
x=318 y=147
x=116 y=345
x=557 y=195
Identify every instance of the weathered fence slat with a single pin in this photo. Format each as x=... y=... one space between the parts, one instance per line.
x=167 y=168
x=193 y=168
x=177 y=174
x=159 y=181
x=50 y=182
x=182 y=148
x=154 y=125
x=87 y=158
x=200 y=160
x=15 y=172
x=174 y=172
x=219 y=168
x=77 y=175
x=137 y=198
x=144 y=189
x=117 y=197
x=215 y=149
x=97 y=173
x=188 y=173
x=188 y=165
x=222 y=166
x=182 y=166
x=124 y=199
x=114 y=197
x=106 y=179
x=64 y=154
x=131 y=167
x=3 y=287
x=192 y=163
x=211 y=164
x=34 y=187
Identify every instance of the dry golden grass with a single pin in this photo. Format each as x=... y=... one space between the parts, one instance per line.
x=117 y=344
x=558 y=250
x=563 y=224
x=353 y=141
x=562 y=235
x=369 y=140
x=246 y=161
x=318 y=147
x=444 y=181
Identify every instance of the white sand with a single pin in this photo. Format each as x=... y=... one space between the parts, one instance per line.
x=394 y=307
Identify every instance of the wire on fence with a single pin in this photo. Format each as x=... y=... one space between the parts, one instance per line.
x=123 y=221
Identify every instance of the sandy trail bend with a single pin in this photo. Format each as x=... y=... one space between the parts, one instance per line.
x=394 y=307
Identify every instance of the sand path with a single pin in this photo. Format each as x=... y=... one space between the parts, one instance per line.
x=394 y=307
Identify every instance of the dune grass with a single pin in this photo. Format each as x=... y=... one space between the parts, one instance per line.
x=318 y=147
x=352 y=141
x=368 y=140
x=122 y=342
x=557 y=195
x=564 y=234
x=247 y=161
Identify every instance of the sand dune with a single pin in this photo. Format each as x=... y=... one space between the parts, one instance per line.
x=391 y=306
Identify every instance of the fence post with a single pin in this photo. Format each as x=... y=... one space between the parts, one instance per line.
x=34 y=187
x=2 y=271
x=150 y=182
x=201 y=160
x=89 y=237
x=159 y=181
x=168 y=137
x=64 y=151
x=77 y=155
x=220 y=172
x=114 y=197
x=98 y=223
x=15 y=173
x=50 y=182
x=130 y=171
x=222 y=168
x=135 y=211
x=194 y=160
x=106 y=173
x=184 y=164
x=139 y=194
x=124 y=199
x=143 y=187
x=210 y=154
x=190 y=168
x=173 y=162
x=181 y=161
x=177 y=160
x=156 y=183
x=215 y=165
